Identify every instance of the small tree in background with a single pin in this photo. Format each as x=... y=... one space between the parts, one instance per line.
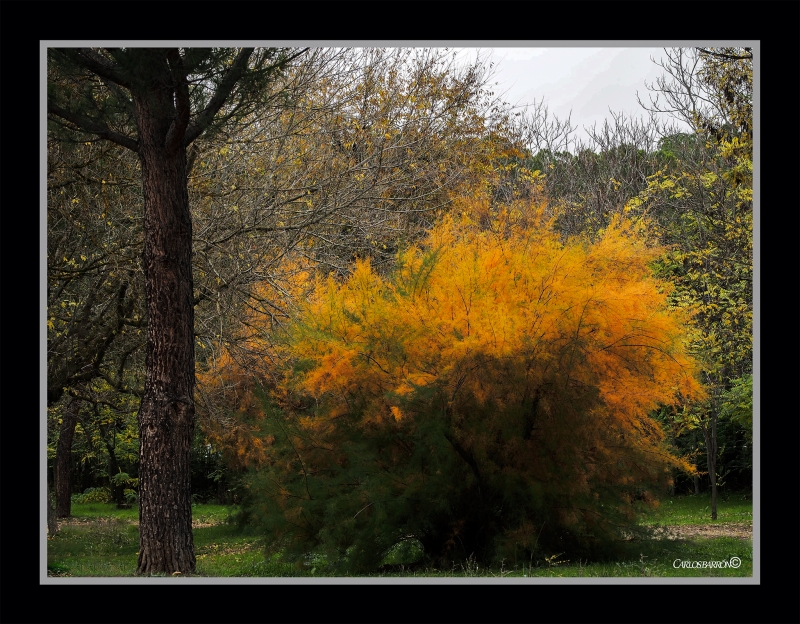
x=702 y=202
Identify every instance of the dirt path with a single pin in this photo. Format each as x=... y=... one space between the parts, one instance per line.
x=741 y=530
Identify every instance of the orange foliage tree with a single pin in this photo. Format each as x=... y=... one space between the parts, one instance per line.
x=231 y=378
x=490 y=396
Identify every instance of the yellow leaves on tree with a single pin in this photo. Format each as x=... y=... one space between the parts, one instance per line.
x=571 y=315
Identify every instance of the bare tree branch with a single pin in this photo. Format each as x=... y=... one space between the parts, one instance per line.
x=732 y=57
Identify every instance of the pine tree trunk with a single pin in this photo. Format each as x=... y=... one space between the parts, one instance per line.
x=166 y=416
x=63 y=476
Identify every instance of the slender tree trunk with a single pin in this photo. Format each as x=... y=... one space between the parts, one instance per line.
x=713 y=471
x=117 y=491
x=695 y=478
x=63 y=468
x=166 y=415
x=710 y=435
x=222 y=497
x=52 y=521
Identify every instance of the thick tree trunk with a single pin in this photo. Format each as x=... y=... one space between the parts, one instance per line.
x=63 y=466
x=166 y=415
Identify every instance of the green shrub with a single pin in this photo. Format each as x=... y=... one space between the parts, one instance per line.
x=93 y=495
x=131 y=497
x=406 y=551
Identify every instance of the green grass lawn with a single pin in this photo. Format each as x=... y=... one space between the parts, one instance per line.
x=682 y=510
x=101 y=540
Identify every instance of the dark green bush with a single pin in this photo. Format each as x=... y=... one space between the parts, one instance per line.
x=93 y=495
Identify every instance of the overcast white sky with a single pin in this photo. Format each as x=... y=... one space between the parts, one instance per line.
x=585 y=82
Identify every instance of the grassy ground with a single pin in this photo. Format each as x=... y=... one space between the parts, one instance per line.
x=682 y=510
x=100 y=540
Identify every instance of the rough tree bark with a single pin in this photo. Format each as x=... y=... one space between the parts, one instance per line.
x=64 y=459
x=166 y=416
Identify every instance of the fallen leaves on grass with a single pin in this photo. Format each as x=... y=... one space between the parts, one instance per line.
x=739 y=530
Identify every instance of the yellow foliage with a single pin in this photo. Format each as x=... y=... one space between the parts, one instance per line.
x=490 y=310
x=475 y=302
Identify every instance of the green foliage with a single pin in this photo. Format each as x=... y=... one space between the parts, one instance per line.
x=212 y=480
x=737 y=403
x=727 y=74
x=124 y=479
x=105 y=448
x=127 y=483
x=407 y=551
x=92 y=495
x=701 y=198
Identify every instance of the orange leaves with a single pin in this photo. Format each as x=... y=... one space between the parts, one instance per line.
x=398 y=415
x=497 y=370
x=589 y=314
x=534 y=356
